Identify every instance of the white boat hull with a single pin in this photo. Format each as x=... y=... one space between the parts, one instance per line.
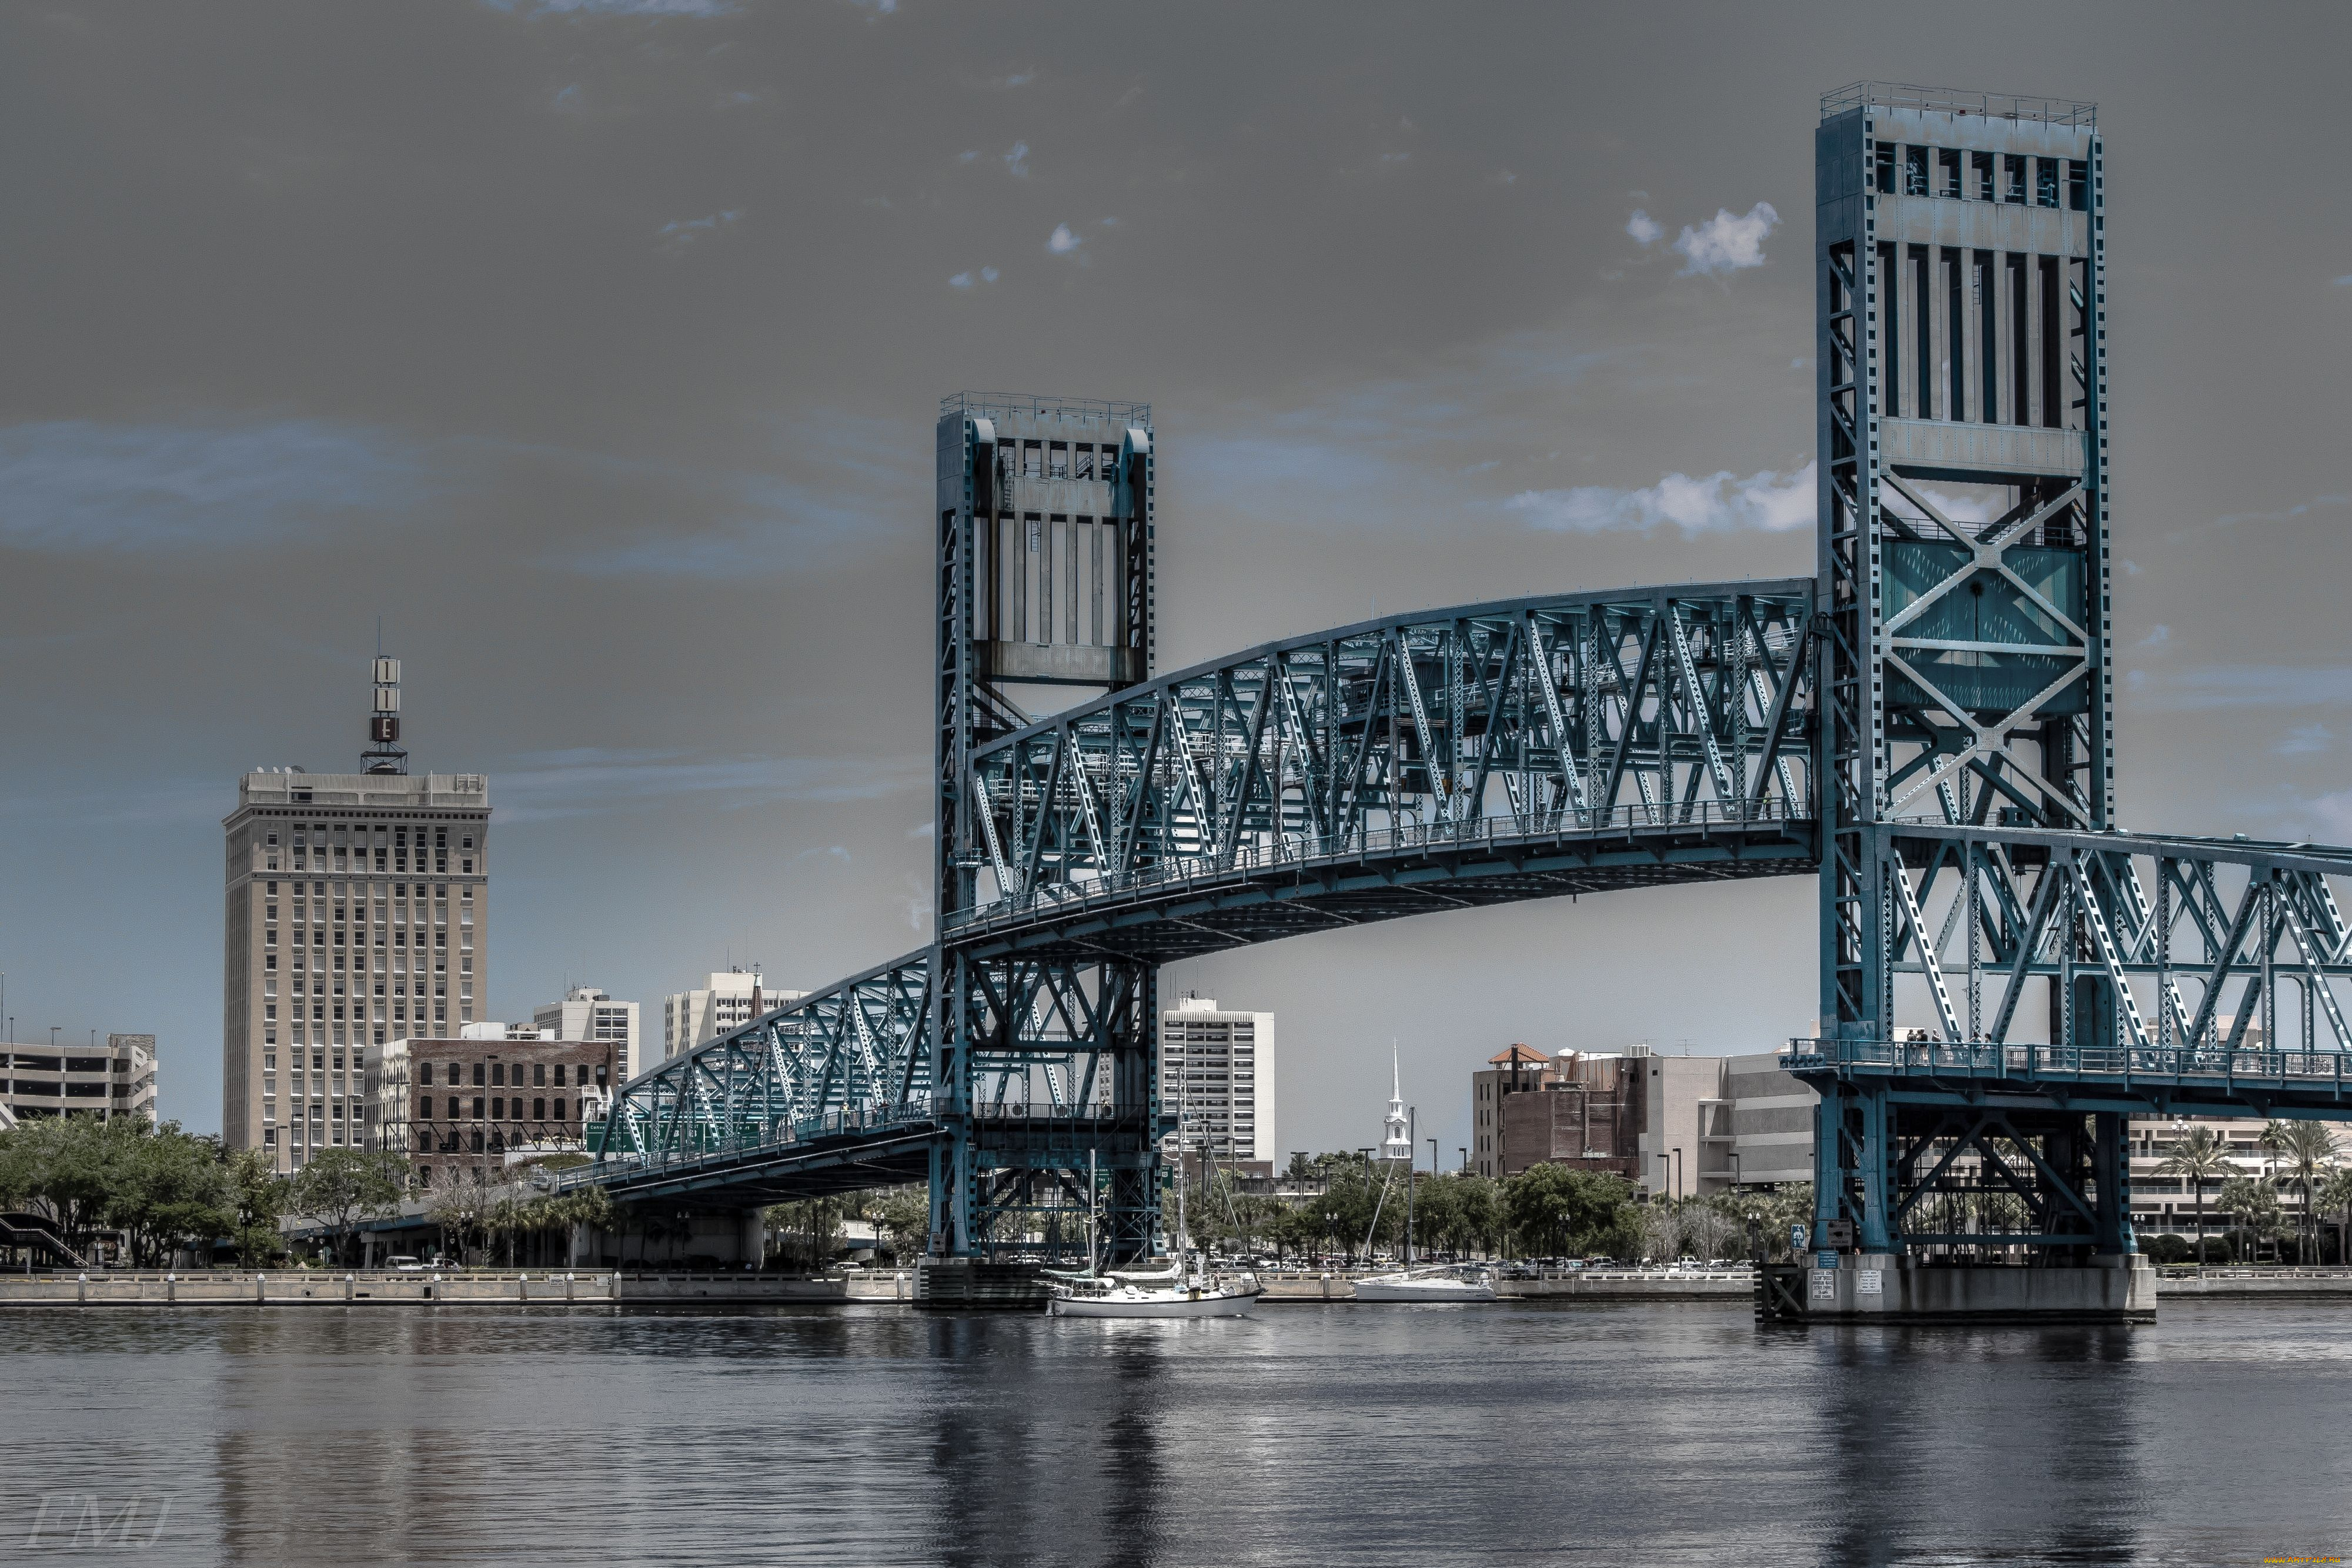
x=1154 y=1305
x=1422 y=1290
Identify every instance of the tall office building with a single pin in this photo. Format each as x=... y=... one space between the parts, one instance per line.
x=358 y=914
x=732 y=999
x=587 y=1013
x=1216 y=1074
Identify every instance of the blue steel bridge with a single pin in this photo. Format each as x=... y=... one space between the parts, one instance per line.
x=1924 y=725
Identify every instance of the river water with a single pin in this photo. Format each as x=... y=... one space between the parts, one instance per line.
x=1306 y=1434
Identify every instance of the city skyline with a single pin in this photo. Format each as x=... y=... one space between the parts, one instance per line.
x=672 y=488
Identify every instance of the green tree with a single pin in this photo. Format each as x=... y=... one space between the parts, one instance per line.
x=167 y=1188
x=64 y=1168
x=1479 y=1207
x=1562 y=1211
x=2336 y=1193
x=2306 y=1151
x=584 y=1208
x=456 y=1206
x=257 y=1198
x=2199 y=1155
x=2253 y=1205
x=1437 y=1215
x=904 y=1215
x=342 y=1189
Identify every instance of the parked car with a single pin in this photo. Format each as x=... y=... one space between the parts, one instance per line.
x=404 y=1264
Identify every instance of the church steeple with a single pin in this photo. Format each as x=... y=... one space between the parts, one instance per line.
x=1397 y=1144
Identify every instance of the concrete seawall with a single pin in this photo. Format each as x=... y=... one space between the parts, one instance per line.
x=550 y=1288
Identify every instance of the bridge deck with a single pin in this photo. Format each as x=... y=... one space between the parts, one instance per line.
x=1202 y=904
x=2206 y=1079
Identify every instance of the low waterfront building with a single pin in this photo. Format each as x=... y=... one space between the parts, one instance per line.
x=483 y=1103
x=1679 y=1125
x=117 y=1079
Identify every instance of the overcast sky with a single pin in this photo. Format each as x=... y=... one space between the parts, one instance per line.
x=595 y=345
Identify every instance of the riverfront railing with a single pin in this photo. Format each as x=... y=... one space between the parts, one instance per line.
x=1177 y=873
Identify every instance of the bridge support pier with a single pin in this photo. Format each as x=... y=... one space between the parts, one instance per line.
x=1902 y=1288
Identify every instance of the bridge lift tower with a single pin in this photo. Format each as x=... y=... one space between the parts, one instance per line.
x=1044 y=1072
x=1961 y=293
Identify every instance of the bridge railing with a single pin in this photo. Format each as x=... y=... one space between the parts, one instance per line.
x=1300 y=849
x=1977 y=1059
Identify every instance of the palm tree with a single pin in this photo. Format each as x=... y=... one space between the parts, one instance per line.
x=2200 y=1155
x=2336 y=1193
x=2308 y=1151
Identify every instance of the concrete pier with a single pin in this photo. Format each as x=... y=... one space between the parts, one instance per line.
x=1885 y=1288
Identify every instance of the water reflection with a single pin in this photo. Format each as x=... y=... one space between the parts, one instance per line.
x=1300 y=1436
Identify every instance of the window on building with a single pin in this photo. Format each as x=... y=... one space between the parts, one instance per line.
x=538 y=1109
x=478 y=1107
x=498 y=1108
x=538 y=1074
x=558 y=1107
x=497 y=1072
x=481 y=1074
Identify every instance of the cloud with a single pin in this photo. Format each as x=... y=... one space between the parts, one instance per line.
x=1643 y=227
x=1017 y=79
x=2158 y=636
x=1502 y=177
x=2305 y=740
x=680 y=235
x=1718 y=503
x=1017 y=159
x=2344 y=281
x=567 y=101
x=77 y=485
x=966 y=279
x=1062 y=242
x=1725 y=244
x=2132 y=568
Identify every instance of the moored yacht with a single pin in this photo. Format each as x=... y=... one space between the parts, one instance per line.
x=1445 y=1282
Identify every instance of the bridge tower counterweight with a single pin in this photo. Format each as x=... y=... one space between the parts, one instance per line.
x=1960 y=300
x=1044 y=1072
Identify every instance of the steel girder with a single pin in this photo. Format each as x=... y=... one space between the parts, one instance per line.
x=853 y=1057
x=1510 y=750
x=2056 y=978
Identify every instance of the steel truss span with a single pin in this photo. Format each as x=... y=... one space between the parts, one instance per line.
x=1521 y=750
x=1503 y=751
x=2052 y=983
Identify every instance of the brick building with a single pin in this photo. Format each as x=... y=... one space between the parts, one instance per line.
x=1579 y=1109
x=484 y=1104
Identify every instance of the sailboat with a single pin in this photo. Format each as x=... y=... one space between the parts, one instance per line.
x=1169 y=1290
x=1437 y=1282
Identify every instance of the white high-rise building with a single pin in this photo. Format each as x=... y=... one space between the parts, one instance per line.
x=690 y=1018
x=1216 y=1075
x=587 y=1013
